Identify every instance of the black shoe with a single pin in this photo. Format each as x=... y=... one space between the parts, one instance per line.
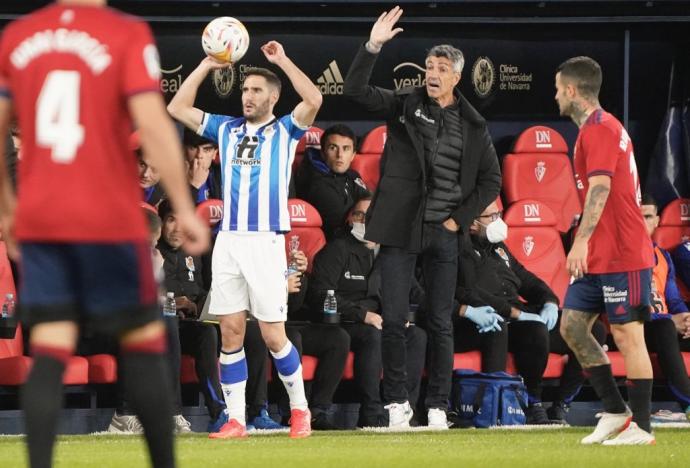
x=558 y=411
x=377 y=420
x=536 y=414
x=321 y=422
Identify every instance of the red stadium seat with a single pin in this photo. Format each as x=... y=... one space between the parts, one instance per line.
x=102 y=368
x=472 y=360
x=368 y=159
x=674 y=224
x=6 y=278
x=15 y=367
x=369 y=169
x=210 y=211
x=310 y=139
x=374 y=142
x=188 y=370
x=309 y=364
x=306 y=226
x=539 y=169
x=534 y=241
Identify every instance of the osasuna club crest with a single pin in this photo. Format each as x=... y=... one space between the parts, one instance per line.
x=540 y=170
x=528 y=245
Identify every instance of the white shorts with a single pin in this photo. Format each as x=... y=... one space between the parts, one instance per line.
x=248 y=273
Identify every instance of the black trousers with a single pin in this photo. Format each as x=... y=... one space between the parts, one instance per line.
x=528 y=341
x=572 y=377
x=365 y=343
x=330 y=345
x=200 y=340
x=439 y=260
x=257 y=355
x=663 y=339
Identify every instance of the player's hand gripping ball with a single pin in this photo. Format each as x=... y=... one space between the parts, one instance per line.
x=225 y=39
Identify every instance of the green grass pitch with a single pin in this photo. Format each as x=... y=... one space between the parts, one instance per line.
x=463 y=448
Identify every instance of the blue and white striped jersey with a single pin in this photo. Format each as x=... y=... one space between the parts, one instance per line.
x=256 y=163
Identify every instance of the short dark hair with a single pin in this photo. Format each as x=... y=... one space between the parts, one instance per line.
x=191 y=139
x=152 y=220
x=585 y=73
x=270 y=77
x=647 y=199
x=338 y=129
x=165 y=209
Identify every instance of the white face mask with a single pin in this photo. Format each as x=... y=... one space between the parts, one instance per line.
x=496 y=231
x=358 y=230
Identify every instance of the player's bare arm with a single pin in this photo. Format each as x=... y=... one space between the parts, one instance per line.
x=306 y=111
x=162 y=147
x=595 y=201
x=181 y=106
x=7 y=199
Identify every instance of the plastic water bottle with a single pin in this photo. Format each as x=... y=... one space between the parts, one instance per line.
x=330 y=308
x=169 y=306
x=294 y=247
x=8 y=306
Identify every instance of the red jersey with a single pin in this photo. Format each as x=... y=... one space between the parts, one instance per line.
x=620 y=241
x=69 y=71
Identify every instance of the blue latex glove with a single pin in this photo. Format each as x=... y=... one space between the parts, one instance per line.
x=529 y=317
x=550 y=314
x=481 y=316
x=495 y=326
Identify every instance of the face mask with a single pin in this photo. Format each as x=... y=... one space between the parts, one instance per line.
x=496 y=231
x=358 y=231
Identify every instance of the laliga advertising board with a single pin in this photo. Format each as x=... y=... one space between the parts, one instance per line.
x=225 y=39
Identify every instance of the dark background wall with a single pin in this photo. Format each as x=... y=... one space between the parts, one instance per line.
x=524 y=41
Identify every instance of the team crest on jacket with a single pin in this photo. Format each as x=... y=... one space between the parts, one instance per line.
x=502 y=253
x=528 y=245
x=540 y=170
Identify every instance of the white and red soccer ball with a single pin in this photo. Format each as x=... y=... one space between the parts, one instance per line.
x=225 y=39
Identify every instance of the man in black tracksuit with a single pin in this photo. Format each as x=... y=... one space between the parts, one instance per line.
x=183 y=276
x=490 y=276
x=348 y=266
x=438 y=172
x=329 y=344
x=325 y=179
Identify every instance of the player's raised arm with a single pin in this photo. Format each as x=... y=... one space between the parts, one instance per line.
x=162 y=147
x=306 y=111
x=181 y=106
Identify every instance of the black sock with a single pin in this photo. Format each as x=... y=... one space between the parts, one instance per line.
x=640 y=399
x=146 y=383
x=41 y=400
x=601 y=379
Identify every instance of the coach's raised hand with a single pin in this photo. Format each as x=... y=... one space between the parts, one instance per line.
x=384 y=29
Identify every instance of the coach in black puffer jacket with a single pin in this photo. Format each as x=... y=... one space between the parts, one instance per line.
x=438 y=172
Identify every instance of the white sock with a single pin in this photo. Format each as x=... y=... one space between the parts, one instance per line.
x=290 y=372
x=233 y=381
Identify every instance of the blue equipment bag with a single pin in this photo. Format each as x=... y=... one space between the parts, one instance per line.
x=488 y=399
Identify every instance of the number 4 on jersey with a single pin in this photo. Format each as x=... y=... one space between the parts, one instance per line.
x=57 y=115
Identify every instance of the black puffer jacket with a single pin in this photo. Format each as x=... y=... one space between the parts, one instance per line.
x=344 y=265
x=333 y=195
x=490 y=275
x=395 y=217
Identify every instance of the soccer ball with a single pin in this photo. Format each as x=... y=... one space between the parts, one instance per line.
x=225 y=39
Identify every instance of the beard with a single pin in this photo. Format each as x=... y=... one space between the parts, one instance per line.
x=259 y=113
